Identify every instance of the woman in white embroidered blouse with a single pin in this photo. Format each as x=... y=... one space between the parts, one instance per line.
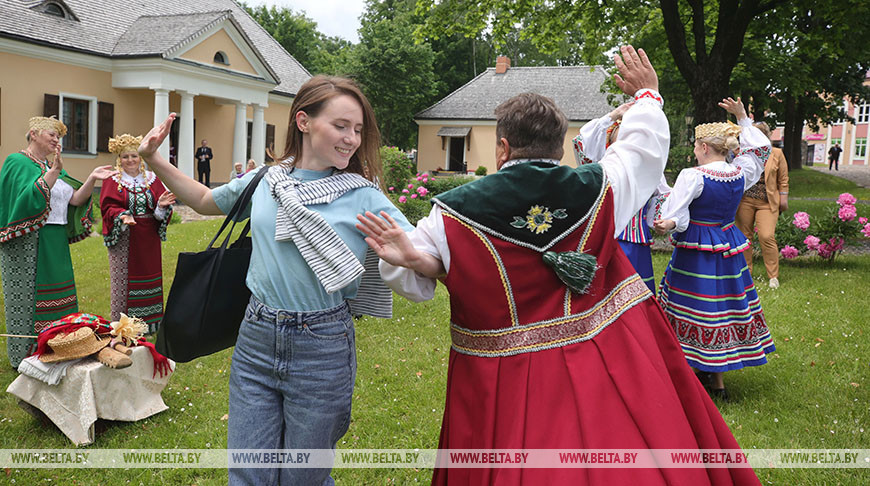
x=707 y=293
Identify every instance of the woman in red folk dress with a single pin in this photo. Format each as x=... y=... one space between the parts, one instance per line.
x=136 y=209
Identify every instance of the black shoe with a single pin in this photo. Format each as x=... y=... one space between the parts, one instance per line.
x=720 y=393
x=705 y=377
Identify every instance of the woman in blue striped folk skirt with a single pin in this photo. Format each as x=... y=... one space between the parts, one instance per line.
x=707 y=291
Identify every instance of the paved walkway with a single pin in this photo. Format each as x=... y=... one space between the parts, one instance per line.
x=859 y=174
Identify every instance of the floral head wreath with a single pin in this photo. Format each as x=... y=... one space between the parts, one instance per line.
x=124 y=143
x=610 y=130
x=718 y=129
x=40 y=123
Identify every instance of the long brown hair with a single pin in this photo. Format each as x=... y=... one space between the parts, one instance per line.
x=311 y=99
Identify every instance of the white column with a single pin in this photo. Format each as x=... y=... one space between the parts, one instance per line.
x=161 y=111
x=240 y=135
x=854 y=128
x=185 y=135
x=258 y=136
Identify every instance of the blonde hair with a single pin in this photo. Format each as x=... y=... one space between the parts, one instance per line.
x=720 y=145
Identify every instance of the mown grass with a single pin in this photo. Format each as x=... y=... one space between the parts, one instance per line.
x=812 y=394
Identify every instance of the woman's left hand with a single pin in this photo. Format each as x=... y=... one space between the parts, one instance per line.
x=783 y=203
x=166 y=199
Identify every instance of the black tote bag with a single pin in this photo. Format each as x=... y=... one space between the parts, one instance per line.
x=208 y=297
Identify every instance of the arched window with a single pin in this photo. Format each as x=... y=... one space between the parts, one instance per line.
x=52 y=8
x=220 y=57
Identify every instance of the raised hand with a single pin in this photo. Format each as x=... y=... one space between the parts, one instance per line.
x=166 y=199
x=103 y=172
x=735 y=107
x=620 y=110
x=57 y=166
x=155 y=137
x=635 y=71
x=387 y=239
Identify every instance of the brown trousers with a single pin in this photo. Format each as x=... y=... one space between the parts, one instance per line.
x=755 y=213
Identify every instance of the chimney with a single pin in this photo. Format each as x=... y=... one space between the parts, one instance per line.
x=502 y=64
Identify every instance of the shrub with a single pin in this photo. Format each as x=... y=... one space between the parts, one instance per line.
x=444 y=184
x=397 y=168
x=680 y=157
x=826 y=235
x=413 y=209
x=481 y=171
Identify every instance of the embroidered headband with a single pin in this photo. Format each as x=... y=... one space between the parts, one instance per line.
x=124 y=143
x=719 y=129
x=40 y=123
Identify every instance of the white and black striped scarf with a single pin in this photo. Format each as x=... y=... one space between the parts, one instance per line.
x=328 y=256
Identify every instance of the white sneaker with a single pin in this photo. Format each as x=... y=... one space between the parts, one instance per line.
x=774 y=283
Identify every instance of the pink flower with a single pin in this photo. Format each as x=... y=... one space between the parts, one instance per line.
x=392 y=188
x=846 y=199
x=801 y=220
x=847 y=212
x=419 y=178
x=812 y=242
x=405 y=191
x=410 y=186
x=422 y=191
x=866 y=230
x=836 y=244
x=862 y=220
x=789 y=252
x=402 y=199
x=413 y=196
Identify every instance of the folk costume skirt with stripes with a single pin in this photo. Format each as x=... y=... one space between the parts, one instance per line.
x=640 y=257
x=38 y=286
x=711 y=301
x=137 y=273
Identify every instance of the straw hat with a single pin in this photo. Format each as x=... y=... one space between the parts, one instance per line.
x=78 y=344
x=718 y=129
x=40 y=123
x=124 y=143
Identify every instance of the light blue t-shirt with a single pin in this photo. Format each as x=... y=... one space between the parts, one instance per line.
x=278 y=276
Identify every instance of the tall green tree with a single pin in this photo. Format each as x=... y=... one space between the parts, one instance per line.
x=298 y=34
x=396 y=74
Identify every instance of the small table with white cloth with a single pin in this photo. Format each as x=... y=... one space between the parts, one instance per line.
x=92 y=391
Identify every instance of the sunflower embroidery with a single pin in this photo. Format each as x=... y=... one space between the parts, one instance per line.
x=538 y=219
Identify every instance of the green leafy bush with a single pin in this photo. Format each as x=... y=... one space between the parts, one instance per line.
x=680 y=157
x=481 y=171
x=825 y=235
x=398 y=169
x=443 y=184
x=413 y=209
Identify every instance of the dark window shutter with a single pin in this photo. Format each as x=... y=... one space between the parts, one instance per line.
x=50 y=105
x=105 y=125
x=270 y=141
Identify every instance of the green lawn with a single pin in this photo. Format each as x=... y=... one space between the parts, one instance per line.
x=812 y=394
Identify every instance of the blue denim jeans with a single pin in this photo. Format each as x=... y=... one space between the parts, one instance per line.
x=291 y=384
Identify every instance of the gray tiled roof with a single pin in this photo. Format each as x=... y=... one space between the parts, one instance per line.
x=105 y=26
x=575 y=89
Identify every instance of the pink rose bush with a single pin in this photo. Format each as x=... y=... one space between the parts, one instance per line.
x=788 y=252
x=825 y=235
x=403 y=199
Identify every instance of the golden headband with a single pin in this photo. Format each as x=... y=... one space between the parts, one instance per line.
x=719 y=129
x=40 y=123
x=124 y=143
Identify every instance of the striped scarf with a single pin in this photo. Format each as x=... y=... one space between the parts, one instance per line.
x=328 y=256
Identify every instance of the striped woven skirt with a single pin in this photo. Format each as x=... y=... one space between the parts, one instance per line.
x=136 y=271
x=640 y=257
x=38 y=286
x=712 y=303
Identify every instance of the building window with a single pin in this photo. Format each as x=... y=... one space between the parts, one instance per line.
x=76 y=116
x=863 y=113
x=835 y=141
x=861 y=148
x=220 y=57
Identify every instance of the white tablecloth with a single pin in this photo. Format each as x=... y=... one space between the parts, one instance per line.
x=92 y=390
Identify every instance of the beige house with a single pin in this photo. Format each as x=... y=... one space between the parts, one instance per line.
x=114 y=66
x=458 y=132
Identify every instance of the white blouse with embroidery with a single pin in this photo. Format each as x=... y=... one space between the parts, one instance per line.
x=61 y=193
x=142 y=180
x=633 y=166
x=690 y=182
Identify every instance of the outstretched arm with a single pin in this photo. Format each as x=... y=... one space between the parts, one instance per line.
x=392 y=245
x=188 y=191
